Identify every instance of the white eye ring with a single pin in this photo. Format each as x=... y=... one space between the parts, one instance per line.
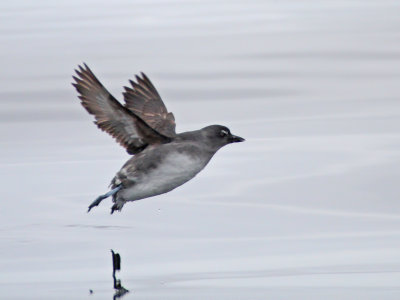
x=223 y=133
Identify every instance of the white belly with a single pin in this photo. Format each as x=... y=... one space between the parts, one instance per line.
x=175 y=170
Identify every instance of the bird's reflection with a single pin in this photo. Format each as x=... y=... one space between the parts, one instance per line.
x=120 y=291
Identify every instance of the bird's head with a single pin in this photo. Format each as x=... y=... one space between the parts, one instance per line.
x=218 y=136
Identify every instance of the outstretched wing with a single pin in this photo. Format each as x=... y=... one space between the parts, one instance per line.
x=112 y=117
x=144 y=101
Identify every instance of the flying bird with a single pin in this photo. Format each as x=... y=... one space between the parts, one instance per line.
x=162 y=159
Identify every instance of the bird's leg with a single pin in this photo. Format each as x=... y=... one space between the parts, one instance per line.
x=102 y=197
x=119 y=203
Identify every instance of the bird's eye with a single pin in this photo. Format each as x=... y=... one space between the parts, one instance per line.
x=223 y=133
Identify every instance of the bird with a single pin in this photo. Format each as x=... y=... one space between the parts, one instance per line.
x=162 y=159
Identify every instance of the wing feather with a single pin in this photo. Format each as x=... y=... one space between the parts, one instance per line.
x=128 y=129
x=143 y=100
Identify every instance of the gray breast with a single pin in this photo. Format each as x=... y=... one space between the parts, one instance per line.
x=162 y=169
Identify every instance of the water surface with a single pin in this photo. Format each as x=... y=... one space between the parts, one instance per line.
x=306 y=208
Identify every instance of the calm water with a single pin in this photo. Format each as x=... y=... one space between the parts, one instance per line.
x=307 y=208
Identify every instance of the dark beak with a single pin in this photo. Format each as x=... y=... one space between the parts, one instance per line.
x=236 y=139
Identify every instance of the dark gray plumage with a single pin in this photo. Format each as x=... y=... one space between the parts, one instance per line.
x=163 y=160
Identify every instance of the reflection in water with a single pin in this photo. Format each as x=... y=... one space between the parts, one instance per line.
x=119 y=289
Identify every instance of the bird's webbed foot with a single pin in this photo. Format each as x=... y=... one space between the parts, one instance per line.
x=117 y=205
x=96 y=202
x=102 y=197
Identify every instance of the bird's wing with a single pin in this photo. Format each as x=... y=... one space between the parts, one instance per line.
x=112 y=117
x=144 y=101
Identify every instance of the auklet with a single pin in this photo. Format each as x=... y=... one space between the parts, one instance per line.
x=163 y=159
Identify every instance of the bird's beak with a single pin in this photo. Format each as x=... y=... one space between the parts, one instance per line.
x=236 y=139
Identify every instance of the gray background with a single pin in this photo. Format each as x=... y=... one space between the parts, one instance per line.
x=307 y=208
